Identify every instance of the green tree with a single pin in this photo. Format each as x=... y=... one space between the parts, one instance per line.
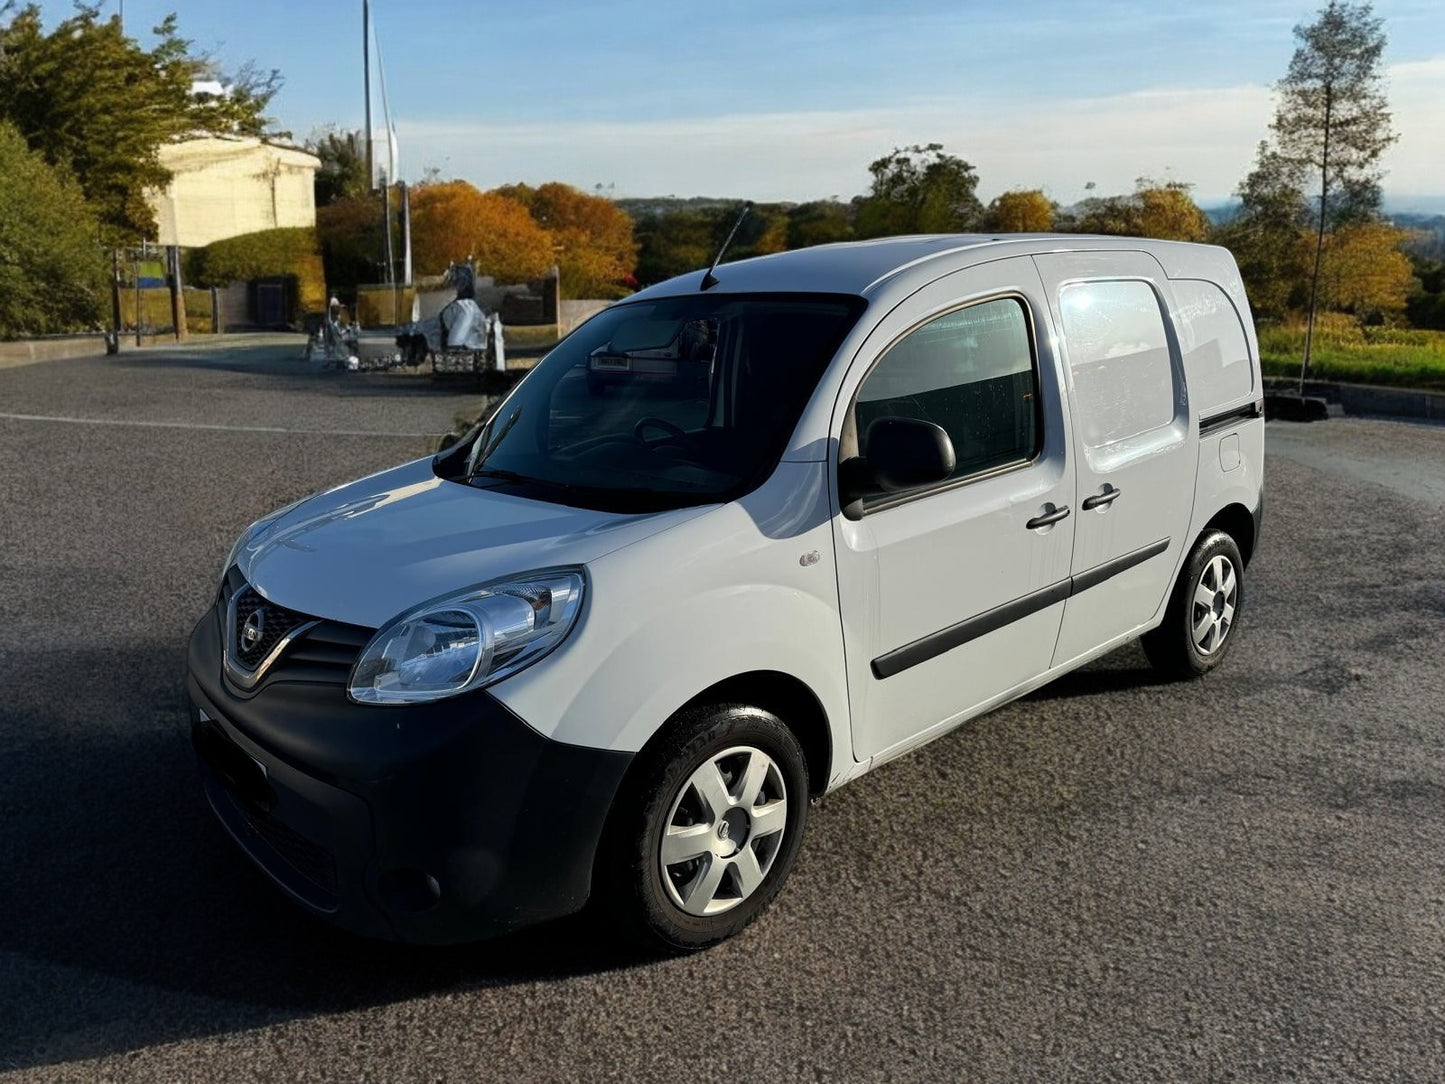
x=51 y=272
x=93 y=102
x=919 y=189
x=349 y=229
x=1332 y=123
x=1266 y=235
x=343 y=165
x=821 y=222
x=672 y=242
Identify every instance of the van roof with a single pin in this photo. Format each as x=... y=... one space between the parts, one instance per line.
x=861 y=267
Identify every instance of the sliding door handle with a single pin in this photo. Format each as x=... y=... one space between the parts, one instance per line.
x=1046 y=518
x=1103 y=499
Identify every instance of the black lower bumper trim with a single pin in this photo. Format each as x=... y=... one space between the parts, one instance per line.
x=338 y=802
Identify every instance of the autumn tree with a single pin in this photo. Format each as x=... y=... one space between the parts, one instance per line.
x=1020 y=211
x=51 y=274
x=1332 y=124
x=454 y=221
x=1363 y=271
x=93 y=102
x=919 y=189
x=1162 y=210
x=591 y=237
x=1168 y=212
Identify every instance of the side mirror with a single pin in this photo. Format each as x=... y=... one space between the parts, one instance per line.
x=903 y=453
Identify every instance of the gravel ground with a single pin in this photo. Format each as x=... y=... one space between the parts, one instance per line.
x=1114 y=879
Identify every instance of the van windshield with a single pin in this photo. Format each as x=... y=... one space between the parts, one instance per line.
x=659 y=404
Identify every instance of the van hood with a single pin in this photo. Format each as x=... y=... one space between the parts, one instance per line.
x=367 y=551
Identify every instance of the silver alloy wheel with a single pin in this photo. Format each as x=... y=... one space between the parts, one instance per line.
x=724 y=830
x=1215 y=597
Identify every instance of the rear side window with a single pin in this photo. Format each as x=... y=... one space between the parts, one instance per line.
x=971 y=371
x=1216 y=353
x=1119 y=355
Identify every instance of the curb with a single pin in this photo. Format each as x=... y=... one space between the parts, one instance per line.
x=1361 y=400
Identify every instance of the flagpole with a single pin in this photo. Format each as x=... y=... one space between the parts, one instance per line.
x=366 y=81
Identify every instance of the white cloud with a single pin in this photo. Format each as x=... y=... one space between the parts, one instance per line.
x=1204 y=136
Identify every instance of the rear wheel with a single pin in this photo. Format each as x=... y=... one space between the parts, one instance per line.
x=1203 y=612
x=709 y=829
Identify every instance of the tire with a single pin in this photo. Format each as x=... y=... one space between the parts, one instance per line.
x=710 y=757
x=1202 y=619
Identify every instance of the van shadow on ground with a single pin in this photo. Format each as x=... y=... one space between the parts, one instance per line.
x=119 y=878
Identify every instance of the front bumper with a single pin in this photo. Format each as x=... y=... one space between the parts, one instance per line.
x=432 y=823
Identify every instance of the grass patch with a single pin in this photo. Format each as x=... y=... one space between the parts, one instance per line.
x=1345 y=352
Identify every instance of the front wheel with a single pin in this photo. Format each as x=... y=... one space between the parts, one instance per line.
x=1203 y=613
x=708 y=830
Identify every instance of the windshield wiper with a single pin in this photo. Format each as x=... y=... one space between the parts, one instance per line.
x=500 y=475
x=491 y=445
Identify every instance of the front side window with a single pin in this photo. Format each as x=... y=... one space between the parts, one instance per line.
x=660 y=404
x=971 y=371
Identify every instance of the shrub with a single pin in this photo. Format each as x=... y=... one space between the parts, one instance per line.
x=52 y=273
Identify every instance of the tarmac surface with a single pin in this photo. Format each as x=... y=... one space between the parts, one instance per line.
x=1113 y=879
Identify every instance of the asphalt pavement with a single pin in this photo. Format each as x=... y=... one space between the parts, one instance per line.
x=1113 y=879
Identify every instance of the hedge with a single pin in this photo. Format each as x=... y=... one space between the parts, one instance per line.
x=291 y=252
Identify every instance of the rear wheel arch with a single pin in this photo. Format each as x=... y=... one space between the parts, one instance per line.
x=1236 y=521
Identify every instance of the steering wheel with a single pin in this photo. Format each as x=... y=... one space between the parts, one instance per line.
x=675 y=432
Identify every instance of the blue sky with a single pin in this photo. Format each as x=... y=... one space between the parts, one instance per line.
x=790 y=99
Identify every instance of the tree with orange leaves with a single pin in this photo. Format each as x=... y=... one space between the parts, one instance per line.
x=591 y=235
x=453 y=221
x=1020 y=211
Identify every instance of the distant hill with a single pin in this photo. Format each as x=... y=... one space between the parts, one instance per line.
x=642 y=206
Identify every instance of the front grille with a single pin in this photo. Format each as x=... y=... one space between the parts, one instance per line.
x=323 y=652
x=259 y=625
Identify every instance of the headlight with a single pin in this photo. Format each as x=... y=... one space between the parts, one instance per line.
x=464 y=641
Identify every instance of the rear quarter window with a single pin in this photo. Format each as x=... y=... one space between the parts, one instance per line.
x=1213 y=342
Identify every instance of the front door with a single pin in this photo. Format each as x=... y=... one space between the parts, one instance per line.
x=1132 y=442
x=951 y=595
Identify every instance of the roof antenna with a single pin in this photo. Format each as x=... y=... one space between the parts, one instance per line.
x=710 y=280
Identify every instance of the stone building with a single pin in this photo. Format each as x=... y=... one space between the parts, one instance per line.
x=224 y=187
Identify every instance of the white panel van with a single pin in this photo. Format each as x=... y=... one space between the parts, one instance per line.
x=734 y=542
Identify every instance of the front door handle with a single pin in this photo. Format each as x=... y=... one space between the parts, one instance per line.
x=1103 y=499
x=1047 y=518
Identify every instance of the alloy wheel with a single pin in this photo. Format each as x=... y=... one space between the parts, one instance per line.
x=724 y=830
x=1215 y=597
